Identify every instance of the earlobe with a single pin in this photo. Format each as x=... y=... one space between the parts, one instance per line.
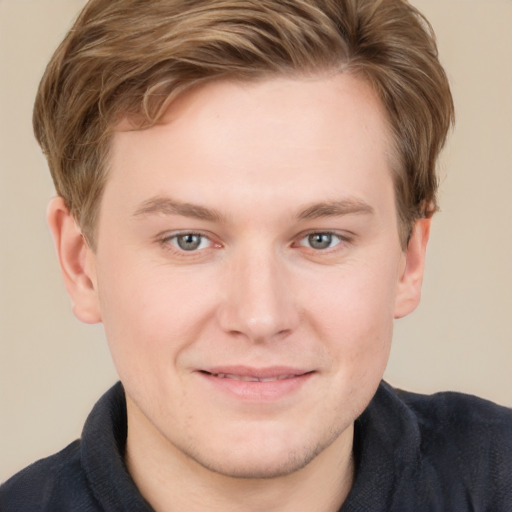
x=409 y=285
x=76 y=261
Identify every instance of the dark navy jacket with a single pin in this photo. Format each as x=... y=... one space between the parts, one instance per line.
x=414 y=453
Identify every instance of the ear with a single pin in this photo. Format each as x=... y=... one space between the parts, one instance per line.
x=76 y=261
x=409 y=285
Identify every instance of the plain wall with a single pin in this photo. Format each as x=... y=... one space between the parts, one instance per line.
x=52 y=368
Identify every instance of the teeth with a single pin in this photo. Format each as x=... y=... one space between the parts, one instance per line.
x=247 y=378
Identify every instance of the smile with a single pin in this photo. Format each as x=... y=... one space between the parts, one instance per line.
x=249 y=378
x=256 y=384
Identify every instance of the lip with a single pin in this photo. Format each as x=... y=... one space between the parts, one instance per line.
x=257 y=384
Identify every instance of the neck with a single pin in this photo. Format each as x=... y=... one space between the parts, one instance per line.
x=171 y=481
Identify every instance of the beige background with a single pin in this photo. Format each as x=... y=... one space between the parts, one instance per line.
x=52 y=368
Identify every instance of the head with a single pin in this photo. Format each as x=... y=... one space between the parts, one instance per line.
x=254 y=181
x=129 y=59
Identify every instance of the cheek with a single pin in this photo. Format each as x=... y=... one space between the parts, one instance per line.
x=357 y=296
x=151 y=314
x=353 y=309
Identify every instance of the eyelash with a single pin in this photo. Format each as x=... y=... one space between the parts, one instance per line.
x=166 y=242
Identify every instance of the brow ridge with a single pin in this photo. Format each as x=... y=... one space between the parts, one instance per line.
x=168 y=206
x=336 y=208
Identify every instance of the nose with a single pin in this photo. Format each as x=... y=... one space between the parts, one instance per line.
x=258 y=301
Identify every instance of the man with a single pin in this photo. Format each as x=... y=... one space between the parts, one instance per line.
x=244 y=200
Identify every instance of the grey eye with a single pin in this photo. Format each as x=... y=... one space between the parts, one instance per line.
x=320 y=240
x=189 y=241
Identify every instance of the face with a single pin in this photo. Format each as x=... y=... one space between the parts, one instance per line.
x=248 y=269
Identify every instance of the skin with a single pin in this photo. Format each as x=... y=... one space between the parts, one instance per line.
x=285 y=185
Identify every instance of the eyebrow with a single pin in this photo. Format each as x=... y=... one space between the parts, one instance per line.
x=336 y=209
x=168 y=206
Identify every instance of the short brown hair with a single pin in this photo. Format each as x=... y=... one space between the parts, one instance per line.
x=132 y=58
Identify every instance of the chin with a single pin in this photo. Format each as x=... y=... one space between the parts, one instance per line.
x=263 y=460
x=260 y=467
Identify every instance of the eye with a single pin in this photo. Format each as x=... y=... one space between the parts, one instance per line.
x=320 y=241
x=189 y=241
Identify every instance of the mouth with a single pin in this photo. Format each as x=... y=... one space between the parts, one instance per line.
x=253 y=378
x=257 y=384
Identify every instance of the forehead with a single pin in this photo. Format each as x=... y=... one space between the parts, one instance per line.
x=263 y=137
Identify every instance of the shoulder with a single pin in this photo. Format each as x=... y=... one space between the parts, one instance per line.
x=51 y=484
x=466 y=441
x=459 y=417
x=441 y=425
